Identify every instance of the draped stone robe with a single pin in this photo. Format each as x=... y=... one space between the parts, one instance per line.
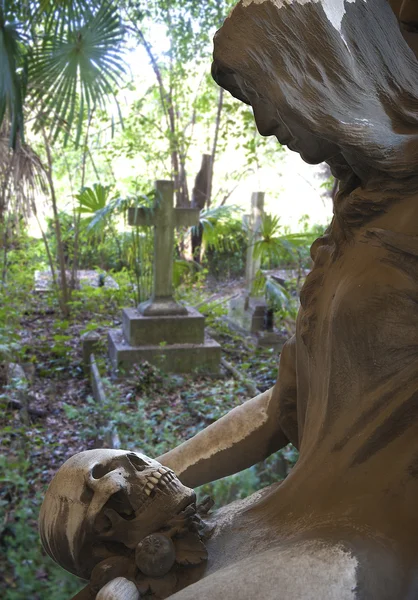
x=344 y=524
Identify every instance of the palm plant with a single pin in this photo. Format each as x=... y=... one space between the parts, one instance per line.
x=271 y=248
x=99 y=207
x=59 y=60
x=213 y=221
x=272 y=242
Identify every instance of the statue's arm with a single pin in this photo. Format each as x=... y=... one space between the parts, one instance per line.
x=246 y=435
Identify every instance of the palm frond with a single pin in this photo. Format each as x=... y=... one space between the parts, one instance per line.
x=209 y=217
x=92 y=199
x=13 y=74
x=271 y=241
x=72 y=71
x=214 y=222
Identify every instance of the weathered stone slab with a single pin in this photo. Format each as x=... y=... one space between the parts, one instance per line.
x=162 y=331
x=253 y=222
x=173 y=358
x=164 y=217
x=247 y=313
x=89 y=342
x=90 y=277
x=172 y=329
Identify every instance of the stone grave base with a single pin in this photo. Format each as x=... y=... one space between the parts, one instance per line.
x=247 y=313
x=171 y=329
x=171 y=358
x=271 y=339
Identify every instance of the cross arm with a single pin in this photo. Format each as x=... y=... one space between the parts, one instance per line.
x=140 y=216
x=186 y=217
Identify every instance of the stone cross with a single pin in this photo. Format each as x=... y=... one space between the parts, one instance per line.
x=165 y=218
x=253 y=222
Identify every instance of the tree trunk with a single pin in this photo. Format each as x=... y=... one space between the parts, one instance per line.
x=63 y=294
x=199 y=200
x=215 y=146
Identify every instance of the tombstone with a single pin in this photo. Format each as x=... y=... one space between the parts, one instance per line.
x=162 y=331
x=84 y=277
x=248 y=311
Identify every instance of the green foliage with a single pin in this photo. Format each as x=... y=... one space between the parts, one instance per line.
x=93 y=200
x=278 y=248
x=247 y=482
x=226 y=244
x=12 y=74
x=18 y=268
x=135 y=426
x=27 y=568
x=214 y=221
x=66 y=55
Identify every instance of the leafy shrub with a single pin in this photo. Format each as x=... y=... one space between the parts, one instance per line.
x=226 y=251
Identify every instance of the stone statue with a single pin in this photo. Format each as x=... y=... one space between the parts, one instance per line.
x=336 y=81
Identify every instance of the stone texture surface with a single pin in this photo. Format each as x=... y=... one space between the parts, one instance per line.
x=247 y=313
x=140 y=329
x=253 y=222
x=164 y=218
x=173 y=358
x=90 y=342
x=336 y=82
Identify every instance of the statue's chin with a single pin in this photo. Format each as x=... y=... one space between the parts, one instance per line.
x=311 y=158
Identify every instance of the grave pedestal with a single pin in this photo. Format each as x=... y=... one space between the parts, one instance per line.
x=161 y=331
x=174 y=343
x=247 y=313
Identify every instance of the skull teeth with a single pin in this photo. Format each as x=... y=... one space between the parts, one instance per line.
x=159 y=480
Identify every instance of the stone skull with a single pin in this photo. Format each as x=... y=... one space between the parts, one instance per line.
x=104 y=502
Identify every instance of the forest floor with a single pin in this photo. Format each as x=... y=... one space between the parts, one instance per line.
x=48 y=414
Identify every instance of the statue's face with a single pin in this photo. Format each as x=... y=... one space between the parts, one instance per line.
x=272 y=112
x=280 y=122
x=305 y=78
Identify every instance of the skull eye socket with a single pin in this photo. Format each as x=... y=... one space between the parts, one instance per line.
x=137 y=462
x=99 y=471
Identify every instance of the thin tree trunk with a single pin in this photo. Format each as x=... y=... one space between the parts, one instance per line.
x=77 y=217
x=199 y=199
x=48 y=252
x=63 y=293
x=6 y=191
x=215 y=146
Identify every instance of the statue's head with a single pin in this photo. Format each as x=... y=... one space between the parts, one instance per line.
x=332 y=79
x=103 y=503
